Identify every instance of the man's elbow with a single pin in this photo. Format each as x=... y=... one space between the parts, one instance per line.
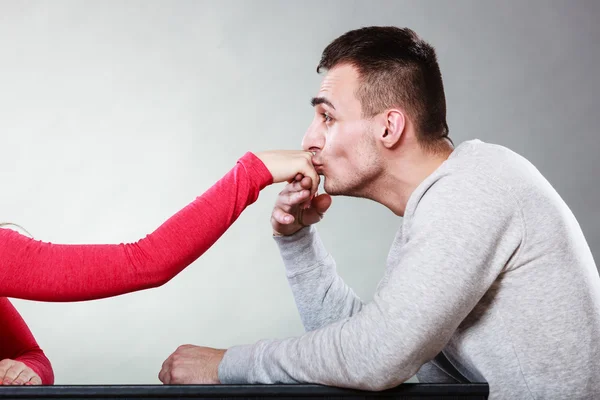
x=379 y=379
x=377 y=384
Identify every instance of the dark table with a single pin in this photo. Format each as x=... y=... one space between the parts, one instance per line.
x=405 y=391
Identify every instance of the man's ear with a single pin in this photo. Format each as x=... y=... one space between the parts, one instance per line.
x=395 y=124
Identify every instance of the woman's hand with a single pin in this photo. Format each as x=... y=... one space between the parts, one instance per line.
x=287 y=165
x=17 y=373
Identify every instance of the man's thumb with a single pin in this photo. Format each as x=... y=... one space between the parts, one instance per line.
x=321 y=203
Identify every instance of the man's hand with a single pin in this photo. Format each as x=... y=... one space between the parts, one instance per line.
x=285 y=165
x=17 y=373
x=295 y=209
x=192 y=365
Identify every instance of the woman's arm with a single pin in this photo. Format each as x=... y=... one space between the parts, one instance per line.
x=35 y=270
x=21 y=359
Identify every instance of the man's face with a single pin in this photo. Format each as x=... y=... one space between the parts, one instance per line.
x=344 y=142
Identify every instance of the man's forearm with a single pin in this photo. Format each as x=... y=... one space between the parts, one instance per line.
x=359 y=352
x=426 y=293
x=321 y=295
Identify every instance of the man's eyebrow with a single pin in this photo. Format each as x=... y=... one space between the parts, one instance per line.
x=321 y=100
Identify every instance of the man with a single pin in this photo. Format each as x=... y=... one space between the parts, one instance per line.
x=489 y=278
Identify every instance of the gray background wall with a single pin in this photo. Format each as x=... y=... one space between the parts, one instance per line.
x=115 y=114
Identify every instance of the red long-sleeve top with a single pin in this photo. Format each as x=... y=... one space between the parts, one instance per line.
x=42 y=271
x=17 y=343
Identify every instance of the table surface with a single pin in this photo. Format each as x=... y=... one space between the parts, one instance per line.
x=404 y=391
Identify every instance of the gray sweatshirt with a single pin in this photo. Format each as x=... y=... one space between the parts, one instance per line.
x=489 y=279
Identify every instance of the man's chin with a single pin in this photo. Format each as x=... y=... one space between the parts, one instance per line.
x=331 y=189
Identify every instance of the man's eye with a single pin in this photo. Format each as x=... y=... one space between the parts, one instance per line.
x=326 y=117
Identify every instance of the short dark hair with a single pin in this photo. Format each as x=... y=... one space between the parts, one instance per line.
x=396 y=68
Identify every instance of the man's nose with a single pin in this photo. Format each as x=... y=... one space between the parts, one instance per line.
x=313 y=140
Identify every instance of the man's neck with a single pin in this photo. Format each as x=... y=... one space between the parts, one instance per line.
x=405 y=174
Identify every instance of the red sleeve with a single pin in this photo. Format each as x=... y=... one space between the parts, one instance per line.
x=44 y=271
x=17 y=343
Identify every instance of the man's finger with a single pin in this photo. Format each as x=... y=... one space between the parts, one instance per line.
x=321 y=203
x=290 y=198
x=295 y=198
x=295 y=186
x=306 y=182
x=311 y=216
x=296 y=178
x=163 y=375
x=164 y=369
x=315 y=209
x=282 y=217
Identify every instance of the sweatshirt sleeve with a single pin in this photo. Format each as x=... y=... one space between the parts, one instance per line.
x=42 y=271
x=440 y=370
x=18 y=343
x=461 y=236
x=322 y=297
